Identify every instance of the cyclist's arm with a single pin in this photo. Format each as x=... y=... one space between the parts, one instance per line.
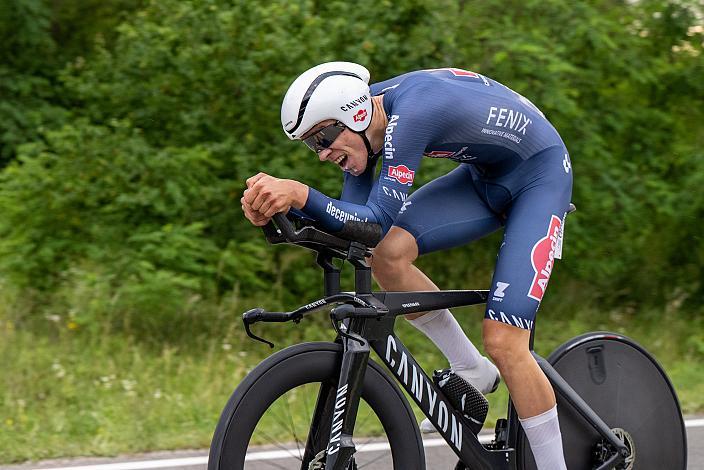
x=333 y=213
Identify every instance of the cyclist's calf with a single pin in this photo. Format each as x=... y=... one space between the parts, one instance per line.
x=508 y=347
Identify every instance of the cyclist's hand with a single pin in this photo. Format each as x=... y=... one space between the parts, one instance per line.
x=253 y=216
x=268 y=195
x=253 y=179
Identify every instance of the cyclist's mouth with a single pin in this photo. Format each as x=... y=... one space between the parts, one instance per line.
x=341 y=161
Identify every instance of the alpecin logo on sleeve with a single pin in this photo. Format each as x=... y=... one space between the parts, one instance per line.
x=402 y=174
x=542 y=257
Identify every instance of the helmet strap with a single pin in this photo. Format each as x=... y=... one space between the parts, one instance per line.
x=370 y=152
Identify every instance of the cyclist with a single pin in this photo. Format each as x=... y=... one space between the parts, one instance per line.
x=514 y=171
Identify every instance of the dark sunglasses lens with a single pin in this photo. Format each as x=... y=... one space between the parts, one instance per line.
x=324 y=137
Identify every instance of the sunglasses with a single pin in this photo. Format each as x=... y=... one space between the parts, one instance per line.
x=324 y=137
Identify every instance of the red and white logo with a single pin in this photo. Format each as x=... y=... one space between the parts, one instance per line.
x=402 y=174
x=360 y=116
x=458 y=72
x=462 y=73
x=542 y=257
x=439 y=154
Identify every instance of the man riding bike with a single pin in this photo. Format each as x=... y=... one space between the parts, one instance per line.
x=514 y=171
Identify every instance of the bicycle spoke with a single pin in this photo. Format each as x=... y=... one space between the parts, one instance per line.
x=278 y=445
x=369 y=440
x=306 y=404
x=275 y=465
x=281 y=422
x=360 y=422
x=293 y=431
x=386 y=454
x=309 y=414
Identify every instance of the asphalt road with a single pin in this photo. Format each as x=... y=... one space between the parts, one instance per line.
x=438 y=456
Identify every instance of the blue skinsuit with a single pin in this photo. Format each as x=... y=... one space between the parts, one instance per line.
x=514 y=171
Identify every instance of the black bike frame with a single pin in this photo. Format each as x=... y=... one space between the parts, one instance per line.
x=378 y=334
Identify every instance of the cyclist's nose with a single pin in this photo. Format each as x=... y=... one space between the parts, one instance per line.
x=324 y=154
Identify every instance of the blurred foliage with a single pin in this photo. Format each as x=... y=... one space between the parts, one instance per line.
x=130 y=126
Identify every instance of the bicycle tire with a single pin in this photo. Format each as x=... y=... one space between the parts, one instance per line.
x=306 y=363
x=628 y=389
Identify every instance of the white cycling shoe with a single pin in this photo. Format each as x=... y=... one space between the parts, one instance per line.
x=485 y=378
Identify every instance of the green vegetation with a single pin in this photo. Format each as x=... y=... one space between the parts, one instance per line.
x=129 y=126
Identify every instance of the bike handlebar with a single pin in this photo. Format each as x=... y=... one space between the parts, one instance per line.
x=339 y=313
x=353 y=236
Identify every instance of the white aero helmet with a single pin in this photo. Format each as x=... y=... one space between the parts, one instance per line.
x=333 y=90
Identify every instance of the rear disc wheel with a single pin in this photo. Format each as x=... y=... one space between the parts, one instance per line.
x=629 y=391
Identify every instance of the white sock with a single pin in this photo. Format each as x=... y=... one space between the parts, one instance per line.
x=543 y=433
x=442 y=328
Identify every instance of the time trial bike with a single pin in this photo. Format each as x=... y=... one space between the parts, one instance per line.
x=617 y=407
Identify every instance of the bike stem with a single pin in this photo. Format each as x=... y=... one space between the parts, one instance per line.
x=362 y=276
x=331 y=273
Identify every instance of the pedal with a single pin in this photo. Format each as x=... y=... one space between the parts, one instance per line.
x=463 y=397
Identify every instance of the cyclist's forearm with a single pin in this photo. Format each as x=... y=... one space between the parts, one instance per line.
x=299 y=194
x=333 y=213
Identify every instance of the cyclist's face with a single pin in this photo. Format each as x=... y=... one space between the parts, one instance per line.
x=347 y=151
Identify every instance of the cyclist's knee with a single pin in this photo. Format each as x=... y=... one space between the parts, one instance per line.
x=505 y=344
x=394 y=253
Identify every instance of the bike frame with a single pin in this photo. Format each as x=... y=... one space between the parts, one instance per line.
x=363 y=334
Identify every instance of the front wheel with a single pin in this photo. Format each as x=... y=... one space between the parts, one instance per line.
x=270 y=414
x=630 y=392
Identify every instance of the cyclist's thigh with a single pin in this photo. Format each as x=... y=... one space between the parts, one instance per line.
x=447 y=212
x=530 y=245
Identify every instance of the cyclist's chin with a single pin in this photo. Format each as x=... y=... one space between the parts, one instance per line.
x=355 y=165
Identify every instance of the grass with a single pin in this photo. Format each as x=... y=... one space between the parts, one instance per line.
x=68 y=390
x=86 y=396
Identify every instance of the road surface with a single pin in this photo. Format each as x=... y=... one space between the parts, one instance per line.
x=438 y=456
